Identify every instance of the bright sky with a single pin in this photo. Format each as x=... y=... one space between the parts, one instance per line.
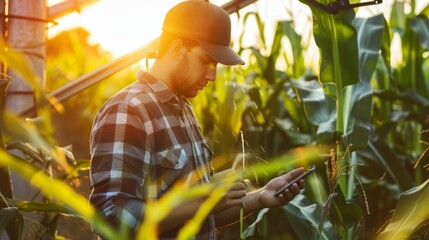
x=125 y=25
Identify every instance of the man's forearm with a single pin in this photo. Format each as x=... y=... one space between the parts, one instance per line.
x=251 y=204
x=180 y=215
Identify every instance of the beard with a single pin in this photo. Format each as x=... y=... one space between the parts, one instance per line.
x=181 y=77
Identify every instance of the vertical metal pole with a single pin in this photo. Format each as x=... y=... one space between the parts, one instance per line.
x=6 y=188
x=5 y=179
x=6 y=183
x=28 y=37
x=2 y=26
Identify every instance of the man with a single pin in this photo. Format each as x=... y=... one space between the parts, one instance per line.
x=146 y=137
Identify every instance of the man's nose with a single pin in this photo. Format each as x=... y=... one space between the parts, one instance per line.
x=211 y=72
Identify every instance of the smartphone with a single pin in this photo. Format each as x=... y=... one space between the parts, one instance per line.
x=296 y=180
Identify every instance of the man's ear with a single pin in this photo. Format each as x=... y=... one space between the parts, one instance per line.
x=177 y=48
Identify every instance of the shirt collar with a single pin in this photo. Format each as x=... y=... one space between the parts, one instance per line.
x=163 y=93
x=161 y=90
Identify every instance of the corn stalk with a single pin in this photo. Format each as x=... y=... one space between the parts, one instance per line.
x=340 y=102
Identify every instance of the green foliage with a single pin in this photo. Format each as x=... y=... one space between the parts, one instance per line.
x=255 y=101
x=69 y=57
x=371 y=112
x=54 y=189
x=366 y=111
x=33 y=141
x=410 y=212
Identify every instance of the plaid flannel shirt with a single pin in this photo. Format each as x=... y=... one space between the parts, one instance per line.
x=142 y=141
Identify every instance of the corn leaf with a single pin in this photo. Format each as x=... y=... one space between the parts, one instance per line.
x=6 y=215
x=398 y=17
x=57 y=190
x=370 y=35
x=305 y=218
x=27 y=206
x=357 y=115
x=319 y=108
x=286 y=28
x=389 y=161
x=249 y=231
x=28 y=132
x=410 y=211
x=337 y=40
x=420 y=25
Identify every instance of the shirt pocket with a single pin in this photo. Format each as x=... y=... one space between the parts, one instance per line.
x=171 y=163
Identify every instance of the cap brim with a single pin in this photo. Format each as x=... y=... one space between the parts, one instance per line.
x=222 y=54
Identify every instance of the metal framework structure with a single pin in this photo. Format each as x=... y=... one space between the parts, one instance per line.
x=78 y=85
x=340 y=5
x=20 y=96
x=23 y=25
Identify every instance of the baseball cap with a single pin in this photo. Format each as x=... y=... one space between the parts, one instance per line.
x=205 y=23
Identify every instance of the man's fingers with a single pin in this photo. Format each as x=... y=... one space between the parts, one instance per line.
x=295 y=189
x=238 y=186
x=301 y=183
x=287 y=195
x=294 y=173
x=291 y=192
x=236 y=194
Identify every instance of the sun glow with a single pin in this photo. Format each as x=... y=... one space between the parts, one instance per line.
x=123 y=26
x=119 y=26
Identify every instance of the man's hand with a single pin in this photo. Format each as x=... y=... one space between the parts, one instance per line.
x=236 y=192
x=261 y=198
x=267 y=198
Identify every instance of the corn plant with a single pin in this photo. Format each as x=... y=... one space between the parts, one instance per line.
x=365 y=109
x=39 y=159
x=369 y=114
x=401 y=113
x=270 y=122
x=345 y=113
